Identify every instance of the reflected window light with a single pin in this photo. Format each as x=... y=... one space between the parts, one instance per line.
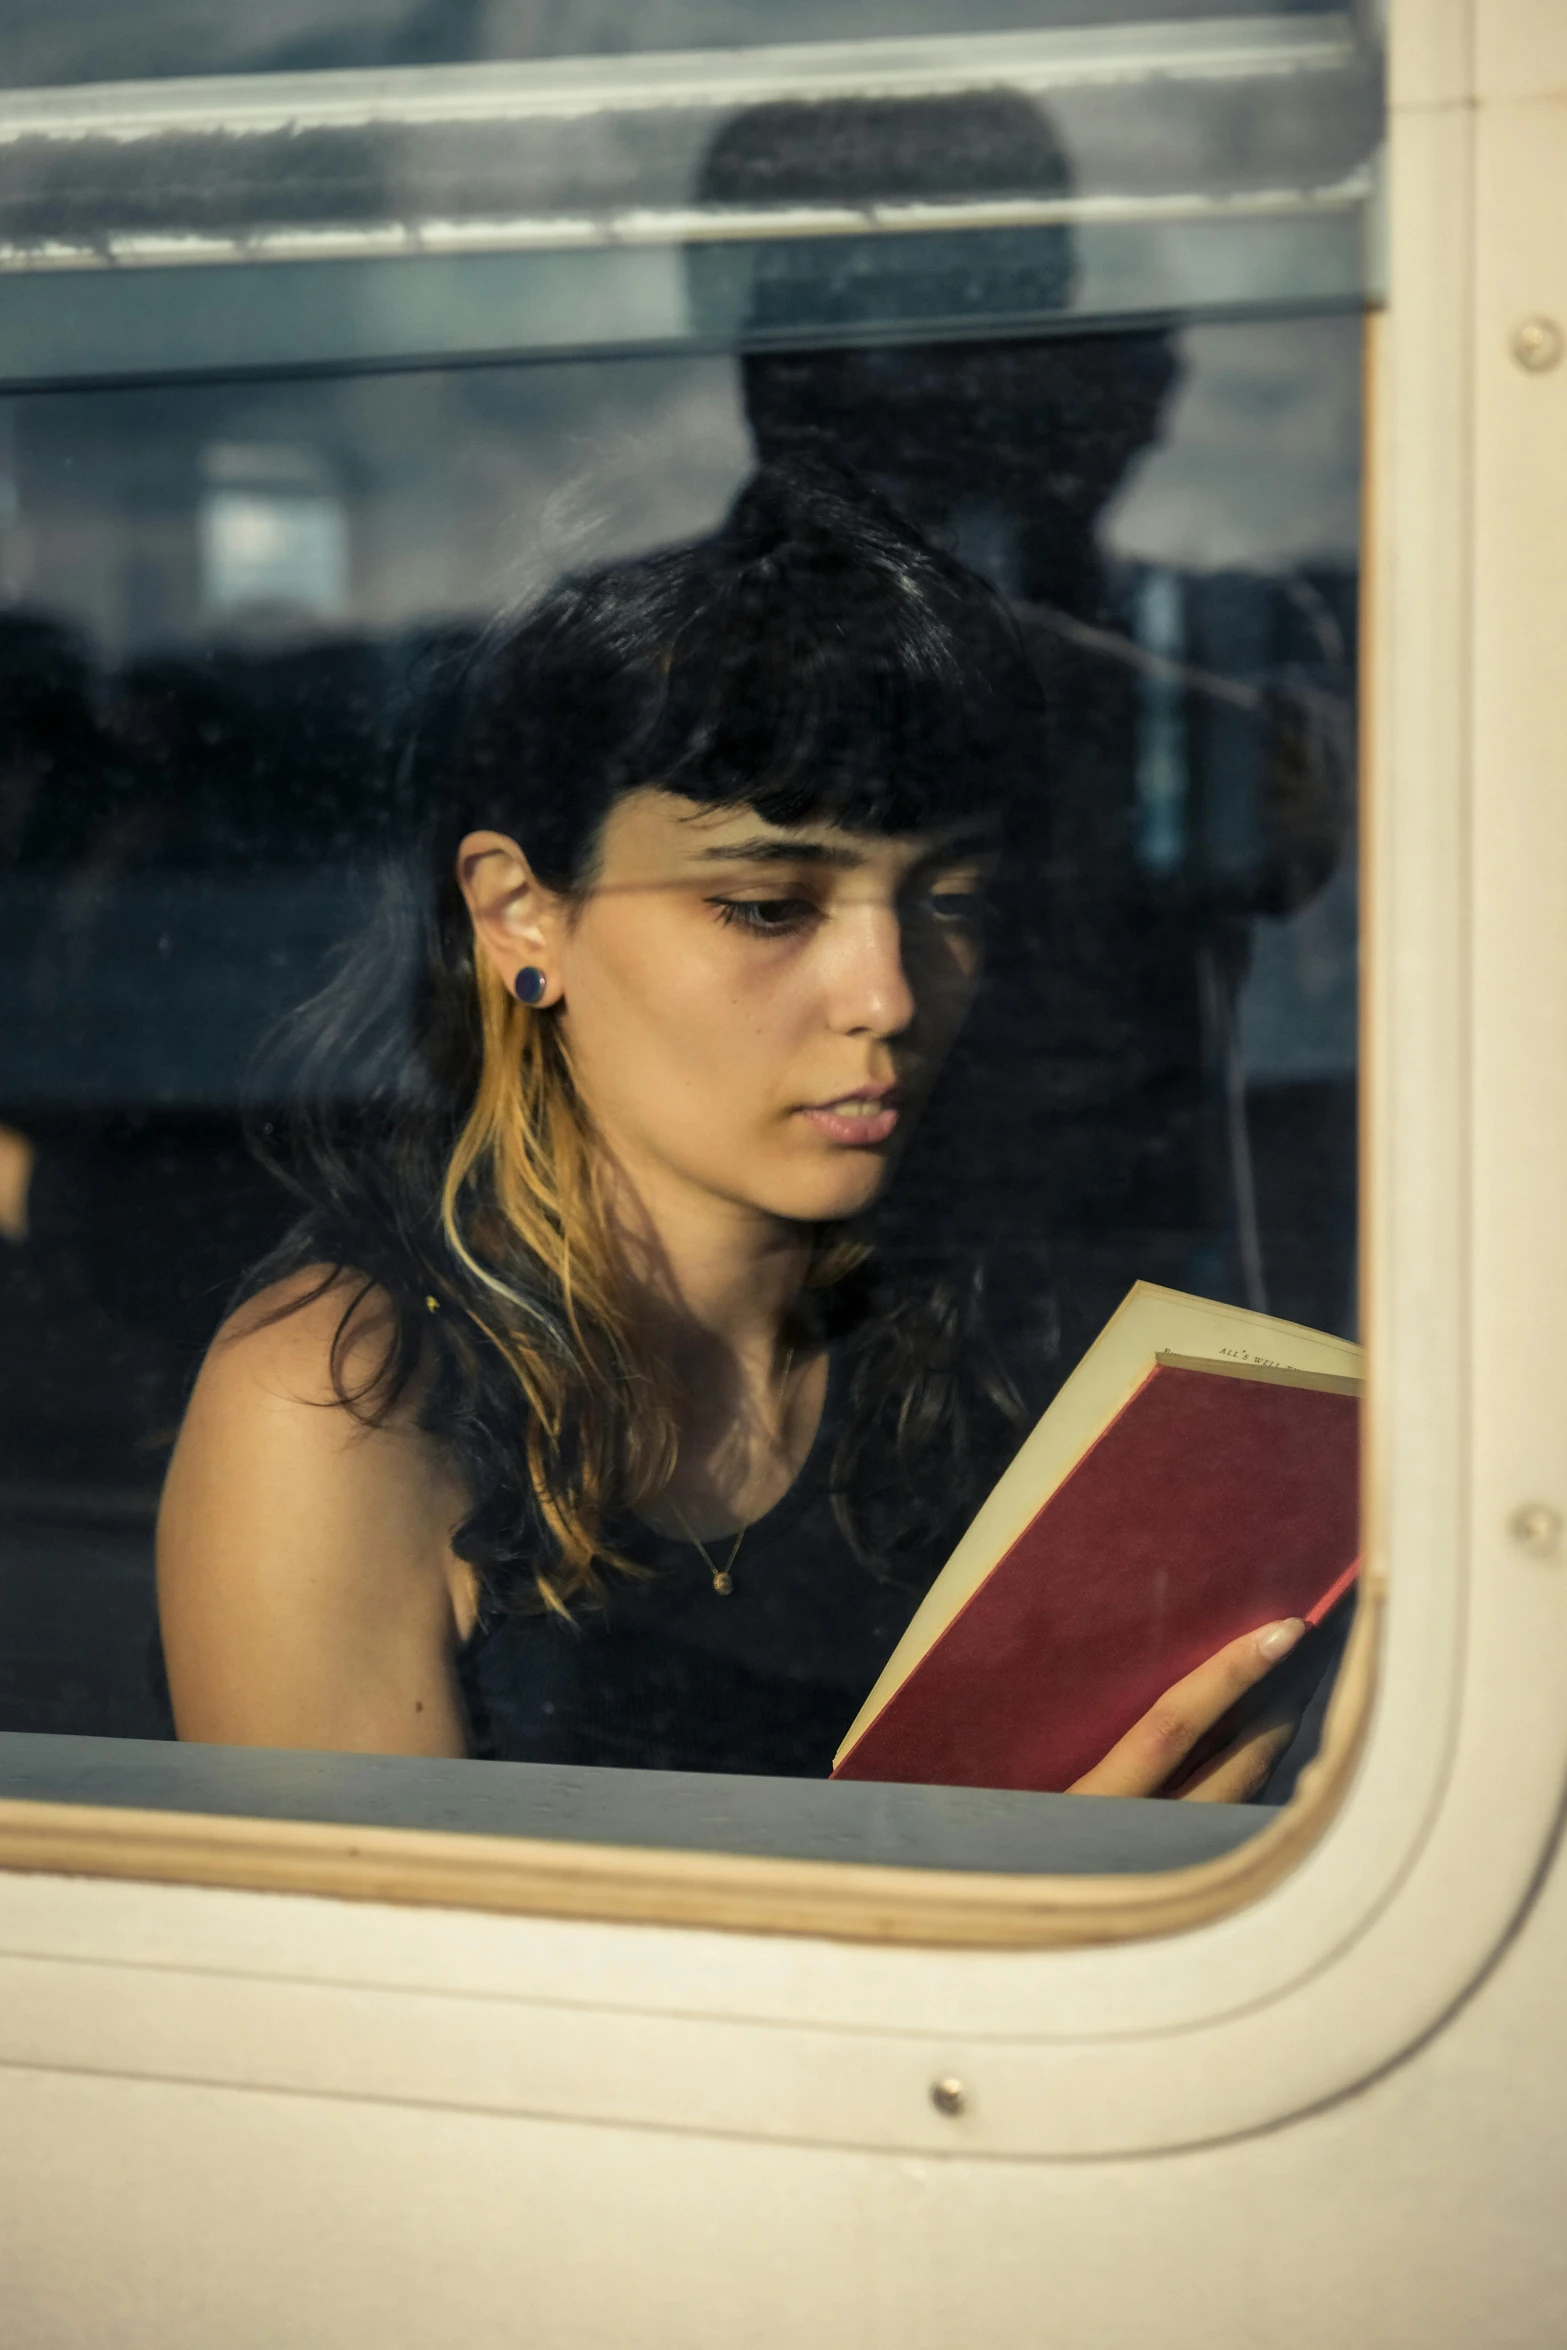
x=273 y=533
x=987 y=537
x=1159 y=618
x=13 y=550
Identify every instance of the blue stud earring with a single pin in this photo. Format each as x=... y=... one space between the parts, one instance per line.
x=530 y=984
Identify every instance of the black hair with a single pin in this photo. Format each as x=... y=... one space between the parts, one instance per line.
x=812 y=659
x=815 y=658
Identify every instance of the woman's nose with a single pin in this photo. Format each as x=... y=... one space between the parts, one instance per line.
x=869 y=990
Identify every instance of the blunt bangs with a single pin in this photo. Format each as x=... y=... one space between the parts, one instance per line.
x=815 y=660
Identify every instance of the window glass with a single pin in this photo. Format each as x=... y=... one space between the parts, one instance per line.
x=249 y=616
x=933 y=183
x=96 y=41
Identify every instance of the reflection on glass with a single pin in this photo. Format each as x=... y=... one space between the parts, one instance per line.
x=97 y=41
x=272 y=533
x=993 y=741
x=920 y=181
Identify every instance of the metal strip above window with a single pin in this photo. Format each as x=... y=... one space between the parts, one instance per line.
x=997 y=184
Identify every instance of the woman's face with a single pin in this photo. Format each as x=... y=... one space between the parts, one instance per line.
x=752 y=1012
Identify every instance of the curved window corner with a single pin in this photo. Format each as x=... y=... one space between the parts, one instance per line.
x=815 y=580
x=932 y=1868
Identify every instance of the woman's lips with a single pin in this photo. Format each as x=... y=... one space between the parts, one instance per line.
x=861 y=1119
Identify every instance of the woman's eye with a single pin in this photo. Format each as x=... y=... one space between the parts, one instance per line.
x=966 y=909
x=764 y=917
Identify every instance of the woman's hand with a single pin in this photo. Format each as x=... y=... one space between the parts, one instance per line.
x=1169 y=1752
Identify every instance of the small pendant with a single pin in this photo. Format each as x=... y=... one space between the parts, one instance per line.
x=723 y=1582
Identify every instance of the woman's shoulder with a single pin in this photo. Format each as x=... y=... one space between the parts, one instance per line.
x=317 y=1335
x=308 y=1591
x=299 y=1393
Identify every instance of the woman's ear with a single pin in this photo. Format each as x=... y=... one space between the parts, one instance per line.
x=517 y=922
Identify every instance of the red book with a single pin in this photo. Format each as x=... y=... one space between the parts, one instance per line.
x=1196 y=1478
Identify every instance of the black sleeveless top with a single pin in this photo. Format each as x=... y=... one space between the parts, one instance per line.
x=670 y=1674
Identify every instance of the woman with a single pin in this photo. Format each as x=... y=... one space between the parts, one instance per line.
x=585 y=1415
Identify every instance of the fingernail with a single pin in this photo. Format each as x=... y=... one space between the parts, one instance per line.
x=1279 y=1639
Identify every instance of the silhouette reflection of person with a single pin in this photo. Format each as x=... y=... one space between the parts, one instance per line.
x=1103 y=1071
x=1007 y=447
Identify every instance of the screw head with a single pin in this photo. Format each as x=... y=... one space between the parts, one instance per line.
x=1536 y=1528
x=948 y=2095
x=1537 y=344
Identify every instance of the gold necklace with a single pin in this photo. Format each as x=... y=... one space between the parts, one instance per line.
x=723 y=1577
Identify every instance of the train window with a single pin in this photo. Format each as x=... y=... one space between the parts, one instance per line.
x=677 y=800
x=93 y=41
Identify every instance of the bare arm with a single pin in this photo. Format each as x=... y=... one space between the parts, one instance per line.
x=306 y=1586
